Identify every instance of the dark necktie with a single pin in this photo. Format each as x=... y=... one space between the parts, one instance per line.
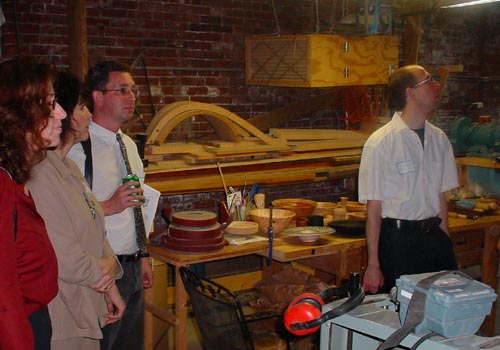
x=140 y=231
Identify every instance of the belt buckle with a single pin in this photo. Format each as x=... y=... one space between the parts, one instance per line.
x=426 y=226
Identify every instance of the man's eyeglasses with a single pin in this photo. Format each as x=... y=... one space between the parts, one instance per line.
x=425 y=81
x=124 y=91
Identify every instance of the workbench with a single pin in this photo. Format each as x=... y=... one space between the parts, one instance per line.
x=283 y=250
x=475 y=243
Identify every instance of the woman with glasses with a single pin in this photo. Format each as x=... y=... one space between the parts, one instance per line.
x=88 y=298
x=30 y=121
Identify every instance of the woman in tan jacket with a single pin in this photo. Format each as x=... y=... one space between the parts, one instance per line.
x=88 y=298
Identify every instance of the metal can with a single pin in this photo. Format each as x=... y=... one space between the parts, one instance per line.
x=133 y=178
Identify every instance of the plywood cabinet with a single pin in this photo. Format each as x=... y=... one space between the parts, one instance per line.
x=320 y=60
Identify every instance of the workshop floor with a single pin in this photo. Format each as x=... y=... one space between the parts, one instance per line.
x=194 y=344
x=166 y=340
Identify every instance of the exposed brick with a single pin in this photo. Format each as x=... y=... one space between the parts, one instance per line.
x=194 y=49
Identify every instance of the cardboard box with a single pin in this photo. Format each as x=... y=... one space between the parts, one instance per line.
x=378 y=17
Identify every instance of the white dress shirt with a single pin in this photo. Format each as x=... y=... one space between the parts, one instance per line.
x=108 y=171
x=405 y=176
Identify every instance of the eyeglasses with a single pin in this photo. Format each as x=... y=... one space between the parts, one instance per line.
x=425 y=81
x=124 y=91
x=52 y=103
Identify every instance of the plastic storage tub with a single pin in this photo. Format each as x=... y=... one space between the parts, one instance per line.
x=455 y=305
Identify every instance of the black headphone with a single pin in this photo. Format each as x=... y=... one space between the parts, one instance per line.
x=304 y=315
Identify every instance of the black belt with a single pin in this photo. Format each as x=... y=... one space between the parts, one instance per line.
x=425 y=225
x=131 y=257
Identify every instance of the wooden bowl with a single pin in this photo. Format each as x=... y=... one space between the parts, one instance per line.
x=281 y=219
x=301 y=207
x=356 y=215
x=242 y=228
x=355 y=206
x=324 y=208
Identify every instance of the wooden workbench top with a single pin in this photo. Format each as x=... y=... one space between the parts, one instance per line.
x=457 y=224
x=229 y=251
x=288 y=248
x=291 y=248
x=284 y=249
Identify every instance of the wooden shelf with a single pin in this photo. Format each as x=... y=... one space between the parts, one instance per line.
x=309 y=167
x=477 y=161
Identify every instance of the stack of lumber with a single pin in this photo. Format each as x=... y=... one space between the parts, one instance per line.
x=248 y=156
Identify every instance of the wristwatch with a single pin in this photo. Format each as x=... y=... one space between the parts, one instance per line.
x=142 y=254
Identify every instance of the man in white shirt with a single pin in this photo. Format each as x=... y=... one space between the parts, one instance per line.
x=406 y=168
x=112 y=102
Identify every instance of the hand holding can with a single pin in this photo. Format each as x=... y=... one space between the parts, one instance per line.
x=133 y=178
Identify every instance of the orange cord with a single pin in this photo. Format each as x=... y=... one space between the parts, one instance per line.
x=356 y=105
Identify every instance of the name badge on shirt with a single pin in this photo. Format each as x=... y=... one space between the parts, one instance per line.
x=405 y=167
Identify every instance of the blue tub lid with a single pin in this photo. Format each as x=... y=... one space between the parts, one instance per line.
x=451 y=289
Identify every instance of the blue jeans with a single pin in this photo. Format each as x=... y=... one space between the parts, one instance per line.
x=128 y=333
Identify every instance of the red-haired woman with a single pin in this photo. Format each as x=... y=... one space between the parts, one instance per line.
x=30 y=121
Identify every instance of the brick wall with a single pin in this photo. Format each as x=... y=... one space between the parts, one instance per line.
x=194 y=50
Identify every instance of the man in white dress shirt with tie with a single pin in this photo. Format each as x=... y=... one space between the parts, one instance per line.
x=112 y=97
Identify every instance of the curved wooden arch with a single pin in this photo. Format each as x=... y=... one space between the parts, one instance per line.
x=226 y=124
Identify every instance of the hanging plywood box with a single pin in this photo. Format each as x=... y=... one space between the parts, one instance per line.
x=320 y=60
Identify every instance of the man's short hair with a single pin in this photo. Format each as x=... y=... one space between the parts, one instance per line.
x=98 y=77
x=399 y=81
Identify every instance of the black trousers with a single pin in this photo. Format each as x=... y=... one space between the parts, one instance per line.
x=42 y=328
x=404 y=251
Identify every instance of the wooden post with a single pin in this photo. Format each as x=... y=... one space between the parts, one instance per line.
x=77 y=40
x=412 y=34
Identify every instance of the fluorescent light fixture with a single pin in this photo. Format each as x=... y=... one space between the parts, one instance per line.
x=469 y=3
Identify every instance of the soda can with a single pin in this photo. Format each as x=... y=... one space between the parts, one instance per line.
x=132 y=178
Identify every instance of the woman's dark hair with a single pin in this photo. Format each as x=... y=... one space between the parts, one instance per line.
x=24 y=112
x=98 y=77
x=69 y=91
x=399 y=81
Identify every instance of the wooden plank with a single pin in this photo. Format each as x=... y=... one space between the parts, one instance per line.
x=168 y=166
x=450 y=68
x=186 y=183
x=343 y=160
x=322 y=145
x=330 y=244
x=316 y=134
x=245 y=149
x=250 y=141
x=208 y=157
x=174 y=147
x=477 y=161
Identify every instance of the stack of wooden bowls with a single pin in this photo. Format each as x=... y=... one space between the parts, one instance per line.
x=194 y=232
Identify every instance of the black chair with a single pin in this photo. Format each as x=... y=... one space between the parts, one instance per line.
x=220 y=316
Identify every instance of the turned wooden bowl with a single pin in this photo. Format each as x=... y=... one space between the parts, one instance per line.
x=301 y=207
x=281 y=219
x=324 y=208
